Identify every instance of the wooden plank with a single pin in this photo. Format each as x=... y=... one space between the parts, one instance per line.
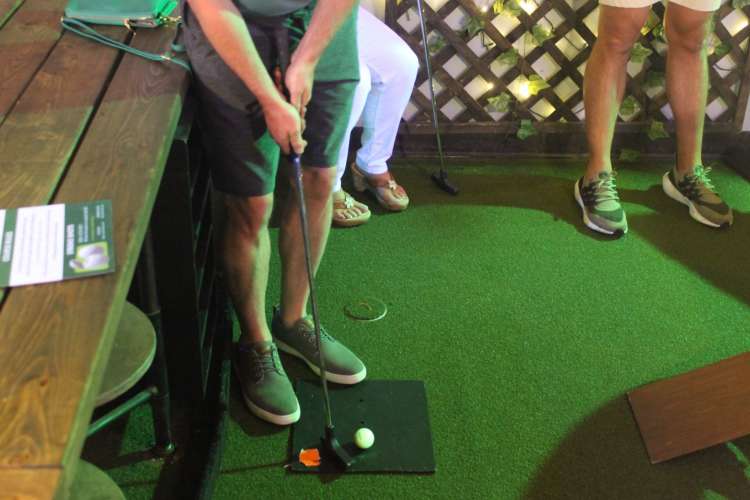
x=41 y=133
x=39 y=136
x=64 y=331
x=7 y=9
x=695 y=410
x=25 y=42
x=28 y=483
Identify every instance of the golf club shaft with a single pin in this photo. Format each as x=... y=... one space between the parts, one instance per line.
x=428 y=68
x=311 y=281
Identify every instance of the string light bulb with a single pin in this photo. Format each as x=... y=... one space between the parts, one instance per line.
x=523 y=89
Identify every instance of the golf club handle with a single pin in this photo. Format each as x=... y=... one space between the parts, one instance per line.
x=428 y=68
x=297 y=164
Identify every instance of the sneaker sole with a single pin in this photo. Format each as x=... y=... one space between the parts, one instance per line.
x=266 y=415
x=674 y=193
x=331 y=377
x=589 y=223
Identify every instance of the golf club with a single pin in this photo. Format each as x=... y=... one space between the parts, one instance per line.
x=329 y=441
x=441 y=177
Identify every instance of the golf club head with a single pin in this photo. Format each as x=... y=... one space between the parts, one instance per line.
x=333 y=446
x=441 y=179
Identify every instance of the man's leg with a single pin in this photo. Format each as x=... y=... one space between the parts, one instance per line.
x=604 y=81
x=687 y=80
x=687 y=88
x=246 y=252
x=317 y=183
x=603 y=90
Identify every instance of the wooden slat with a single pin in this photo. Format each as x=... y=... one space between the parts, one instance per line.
x=28 y=483
x=25 y=42
x=63 y=332
x=38 y=138
x=695 y=410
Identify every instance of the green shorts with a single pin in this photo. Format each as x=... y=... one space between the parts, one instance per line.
x=242 y=155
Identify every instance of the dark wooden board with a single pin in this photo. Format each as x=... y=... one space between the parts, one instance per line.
x=695 y=410
x=25 y=41
x=64 y=331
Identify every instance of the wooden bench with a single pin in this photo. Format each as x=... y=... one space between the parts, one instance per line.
x=78 y=121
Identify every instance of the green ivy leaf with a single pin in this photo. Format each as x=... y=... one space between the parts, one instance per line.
x=509 y=57
x=654 y=79
x=497 y=7
x=500 y=102
x=526 y=130
x=474 y=26
x=738 y=4
x=639 y=53
x=537 y=84
x=722 y=49
x=657 y=131
x=629 y=154
x=629 y=106
x=512 y=8
x=541 y=34
x=436 y=45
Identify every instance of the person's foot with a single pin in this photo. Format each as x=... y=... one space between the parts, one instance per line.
x=348 y=212
x=342 y=365
x=600 y=204
x=695 y=190
x=266 y=388
x=383 y=186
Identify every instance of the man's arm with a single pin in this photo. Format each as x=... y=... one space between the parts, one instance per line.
x=226 y=30
x=327 y=18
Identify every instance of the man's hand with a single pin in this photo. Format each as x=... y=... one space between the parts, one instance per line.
x=285 y=125
x=299 y=83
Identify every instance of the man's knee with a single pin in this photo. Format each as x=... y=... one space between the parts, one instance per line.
x=688 y=34
x=319 y=183
x=619 y=29
x=246 y=217
x=618 y=43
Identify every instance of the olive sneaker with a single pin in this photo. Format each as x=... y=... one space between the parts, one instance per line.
x=695 y=190
x=600 y=204
x=266 y=388
x=342 y=365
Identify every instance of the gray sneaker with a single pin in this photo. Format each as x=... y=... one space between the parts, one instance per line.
x=697 y=192
x=265 y=387
x=342 y=365
x=600 y=205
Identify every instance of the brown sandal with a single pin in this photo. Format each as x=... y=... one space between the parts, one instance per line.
x=348 y=212
x=389 y=194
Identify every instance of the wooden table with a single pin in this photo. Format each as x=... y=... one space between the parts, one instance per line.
x=78 y=122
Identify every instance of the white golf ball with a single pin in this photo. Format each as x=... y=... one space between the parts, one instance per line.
x=364 y=438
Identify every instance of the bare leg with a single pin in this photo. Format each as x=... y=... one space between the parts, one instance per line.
x=246 y=252
x=604 y=82
x=687 y=80
x=317 y=183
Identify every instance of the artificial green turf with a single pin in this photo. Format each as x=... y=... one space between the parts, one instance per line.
x=527 y=330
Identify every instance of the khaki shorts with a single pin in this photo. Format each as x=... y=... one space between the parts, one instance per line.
x=699 y=5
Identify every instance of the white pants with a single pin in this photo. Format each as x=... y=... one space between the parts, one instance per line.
x=387 y=70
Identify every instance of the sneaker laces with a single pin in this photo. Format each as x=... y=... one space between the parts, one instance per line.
x=605 y=188
x=266 y=362
x=699 y=180
x=309 y=334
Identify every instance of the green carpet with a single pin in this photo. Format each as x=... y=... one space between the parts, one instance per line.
x=527 y=330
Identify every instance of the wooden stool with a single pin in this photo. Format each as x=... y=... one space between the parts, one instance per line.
x=131 y=356
x=92 y=483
